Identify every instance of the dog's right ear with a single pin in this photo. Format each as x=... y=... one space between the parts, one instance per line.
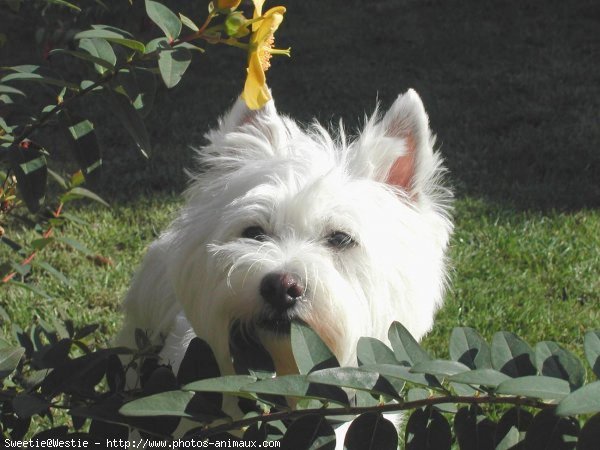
x=398 y=149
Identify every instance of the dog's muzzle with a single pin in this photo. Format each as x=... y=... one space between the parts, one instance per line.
x=281 y=292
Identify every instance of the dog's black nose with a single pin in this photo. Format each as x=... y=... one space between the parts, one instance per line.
x=281 y=290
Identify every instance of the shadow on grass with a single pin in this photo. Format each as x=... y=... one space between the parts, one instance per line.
x=511 y=88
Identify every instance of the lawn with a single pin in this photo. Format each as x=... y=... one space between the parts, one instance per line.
x=512 y=92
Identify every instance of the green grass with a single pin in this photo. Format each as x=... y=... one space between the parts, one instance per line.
x=530 y=273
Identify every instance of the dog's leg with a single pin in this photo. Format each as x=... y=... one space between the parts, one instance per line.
x=150 y=306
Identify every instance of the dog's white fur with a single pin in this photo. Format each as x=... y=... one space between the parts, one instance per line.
x=261 y=169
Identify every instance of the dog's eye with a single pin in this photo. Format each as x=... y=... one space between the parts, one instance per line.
x=341 y=240
x=256 y=233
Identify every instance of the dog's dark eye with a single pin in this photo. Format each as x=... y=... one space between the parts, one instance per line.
x=341 y=240
x=256 y=233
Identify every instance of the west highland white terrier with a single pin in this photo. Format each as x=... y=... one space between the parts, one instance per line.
x=283 y=223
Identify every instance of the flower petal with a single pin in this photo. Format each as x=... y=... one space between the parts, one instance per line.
x=255 y=93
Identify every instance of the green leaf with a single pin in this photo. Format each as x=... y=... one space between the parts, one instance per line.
x=473 y=429
x=371 y=431
x=30 y=76
x=114 y=35
x=188 y=22
x=198 y=363
x=354 y=378
x=585 y=400
x=170 y=403
x=406 y=348
x=54 y=272
x=29 y=166
x=143 y=99
x=310 y=432
x=24 y=68
x=480 y=377
x=173 y=64
x=310 y=352
x=5 y=89
x=512 y=427
x=166 y=20
x=550 y=432
x=427 y=429
x=85 y=147
x=79 y=192
x=403 y=373
x=31 y=288
x=60 y=180
x=591 y=346
x=131 y=120
x=511 y=355
x=228 y=384
x=554 y=361
x=373 y=351
x=100 y=64
x=439 y=367
x=9 y=359
x=295 y=386
x=468 y=347
x=101 y=49
x=75 y=245
x=66 y=4
x=589 y=436
x=27 y=405
x=542 y=387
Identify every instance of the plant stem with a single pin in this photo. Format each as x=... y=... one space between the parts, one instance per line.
x=393 y=407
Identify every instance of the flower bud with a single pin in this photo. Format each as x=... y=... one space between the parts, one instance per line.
x=227 y=4
x=236 y=25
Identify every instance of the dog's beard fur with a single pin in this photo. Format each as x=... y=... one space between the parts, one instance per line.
x=300 y=188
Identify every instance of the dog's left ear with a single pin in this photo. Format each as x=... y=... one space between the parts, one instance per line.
x=241 y=115
x=398 y=150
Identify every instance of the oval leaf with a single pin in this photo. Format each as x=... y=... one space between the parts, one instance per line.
x=173 y=64
x=545 y=388
x=29 y=165
x=550 y=432
x=554 y=361
x=406 y=348
x=354 y=378
x=310 y=352
x=427 y=429
x=229 y=384
x=511 y=355
x=589 y=437
x=9 y=360
x=311 y=432
x=468 y=347
x=473 y=430
x=166 y=20
x=585 y=400
x=171 y=403
x=131 y=120
x=371 y=431
x=591 y=346
x=481 y=377
x=512 y=427
x=439 y=367
x=101 y=49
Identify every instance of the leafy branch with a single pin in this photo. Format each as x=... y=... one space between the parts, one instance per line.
x=537 y=393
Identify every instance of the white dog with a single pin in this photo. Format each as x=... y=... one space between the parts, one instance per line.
x=284 y=224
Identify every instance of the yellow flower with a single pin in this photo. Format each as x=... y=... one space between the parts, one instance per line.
x=256 y=94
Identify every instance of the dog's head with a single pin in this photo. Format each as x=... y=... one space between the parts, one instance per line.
x=283 y=224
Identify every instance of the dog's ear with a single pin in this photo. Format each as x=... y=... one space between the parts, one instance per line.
x=241 y=115
x=398 y=150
